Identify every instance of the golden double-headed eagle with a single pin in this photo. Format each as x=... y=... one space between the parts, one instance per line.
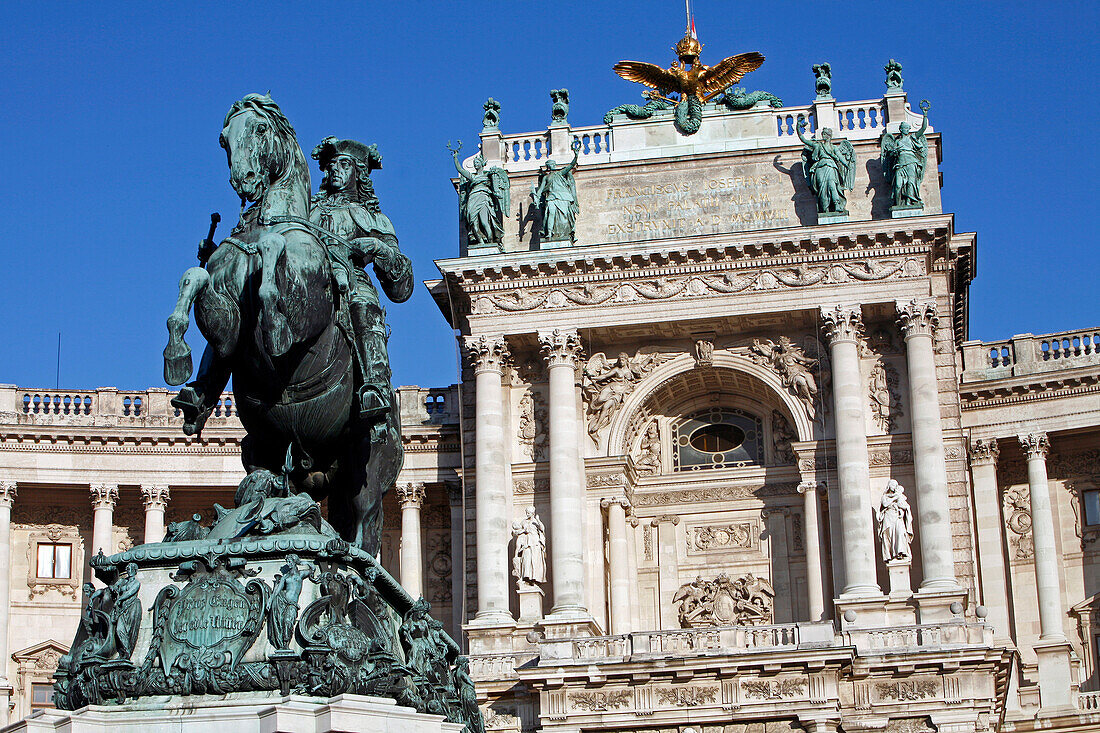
x=687 y=77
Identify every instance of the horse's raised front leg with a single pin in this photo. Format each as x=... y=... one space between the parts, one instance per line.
x=177 y=354
x=277 y=334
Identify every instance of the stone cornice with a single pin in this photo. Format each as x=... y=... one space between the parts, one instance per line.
x=1043 y=386
x=695 y=254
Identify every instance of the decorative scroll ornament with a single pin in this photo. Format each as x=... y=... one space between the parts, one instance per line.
x=607 y=384
x=882 y=388
x=746 y=601
x=1017 y=507
x=792 y=365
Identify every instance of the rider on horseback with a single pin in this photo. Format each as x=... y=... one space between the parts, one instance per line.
x=347 y=207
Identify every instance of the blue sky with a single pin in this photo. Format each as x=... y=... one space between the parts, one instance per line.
x=109 y=117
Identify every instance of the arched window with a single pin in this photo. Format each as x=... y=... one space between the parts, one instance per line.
x=719 y=437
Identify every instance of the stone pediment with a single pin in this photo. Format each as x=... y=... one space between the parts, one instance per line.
x=43 y=655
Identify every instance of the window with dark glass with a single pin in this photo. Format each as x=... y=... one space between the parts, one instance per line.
x=55 y=560
x=41 y=695
x=719 y=437
x=1091 y=500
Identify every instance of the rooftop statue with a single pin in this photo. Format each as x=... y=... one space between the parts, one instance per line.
x=737 y=98
x=830 y=169
x=555 y=196
x=904 y=157
x=692 y=82
x=559 y=111
x=288 y=312
x=823 y=80
x=491 y=120
x=484 y=199
x=893 y=76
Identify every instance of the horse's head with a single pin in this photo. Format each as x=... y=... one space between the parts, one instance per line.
x=260 y=145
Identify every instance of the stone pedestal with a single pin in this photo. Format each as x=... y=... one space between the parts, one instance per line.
x=530 y=603
x=1056 y=684
x=902 y=212
x=244 y=713
x=835 y=217
x=900 y=584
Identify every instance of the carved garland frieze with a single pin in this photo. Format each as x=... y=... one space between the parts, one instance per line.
x=907 y=690
x=779 y=689
x=711 y=493
x=672 y=287
x=599 y=701
x=687 y=697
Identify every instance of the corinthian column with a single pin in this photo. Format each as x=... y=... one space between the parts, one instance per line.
x=619 y=560
x=488 y=354
x=917 y=319
x=815 y=588
x=990 y=529
x=412 y=498
x=156 y=501
x=843 y=326
x=7 y=498
x=562 y=349
x=1036 y=446
x=104 y=497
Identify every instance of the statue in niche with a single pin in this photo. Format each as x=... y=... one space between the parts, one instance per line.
x=555 y=196
x=484 y=199
x=126 y=612
x=823 y=81
x=746 y=601
x=649 y=457
x=904 y=157
x=895 y=523
x=605 y=385
x=893 y=76
x=529 y=561
x=559 y=111
x=782 y=437
x=829 y=167
x=491 y=120
x=282 y=612
x=792 y=365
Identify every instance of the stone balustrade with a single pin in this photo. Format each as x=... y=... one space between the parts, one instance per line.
x=764 y=127
x=494 y=666
x=110 y=406
x=1026 y=354
x=751 y=639
x=1088 y=702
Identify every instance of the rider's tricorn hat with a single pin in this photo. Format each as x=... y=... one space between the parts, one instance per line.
x=332 y=147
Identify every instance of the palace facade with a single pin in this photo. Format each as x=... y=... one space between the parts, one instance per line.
x=777 y=487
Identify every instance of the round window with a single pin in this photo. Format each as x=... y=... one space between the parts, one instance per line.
x=717 y=438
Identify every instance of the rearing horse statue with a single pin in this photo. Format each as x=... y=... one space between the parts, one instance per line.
x=277 y=321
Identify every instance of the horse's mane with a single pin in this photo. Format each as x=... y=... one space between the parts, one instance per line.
x=263 y=105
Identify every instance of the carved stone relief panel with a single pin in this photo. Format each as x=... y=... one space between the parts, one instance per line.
x=884 y=394
x=781 y=688
x=533 y=425
x=437 y=558
x=1016 y=502
x=736 y=536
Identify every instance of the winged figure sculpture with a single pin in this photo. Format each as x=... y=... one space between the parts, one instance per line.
x=692 y=82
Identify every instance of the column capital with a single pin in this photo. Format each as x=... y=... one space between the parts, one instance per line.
x=488 y=353
x=7 y=492
x=809 y=487
x=984 y=451
x=1035 y=445
x=775 y=511
x=842 y=322
x=620 y=500
x=656 y=521
x=411 y=494
x=155 y=497
x=104 y=496
x=561 y=346
x=917 y=317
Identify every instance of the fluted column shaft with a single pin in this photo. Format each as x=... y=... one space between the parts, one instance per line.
x=7 y=498
x=918 y=320
x=811 y=523
x=843 y=329
x=562 y=349
x=619 y=560
x=491 y=496
x=104 y=497
x=156 y=502
x=412 y=562
x=1036 y=446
